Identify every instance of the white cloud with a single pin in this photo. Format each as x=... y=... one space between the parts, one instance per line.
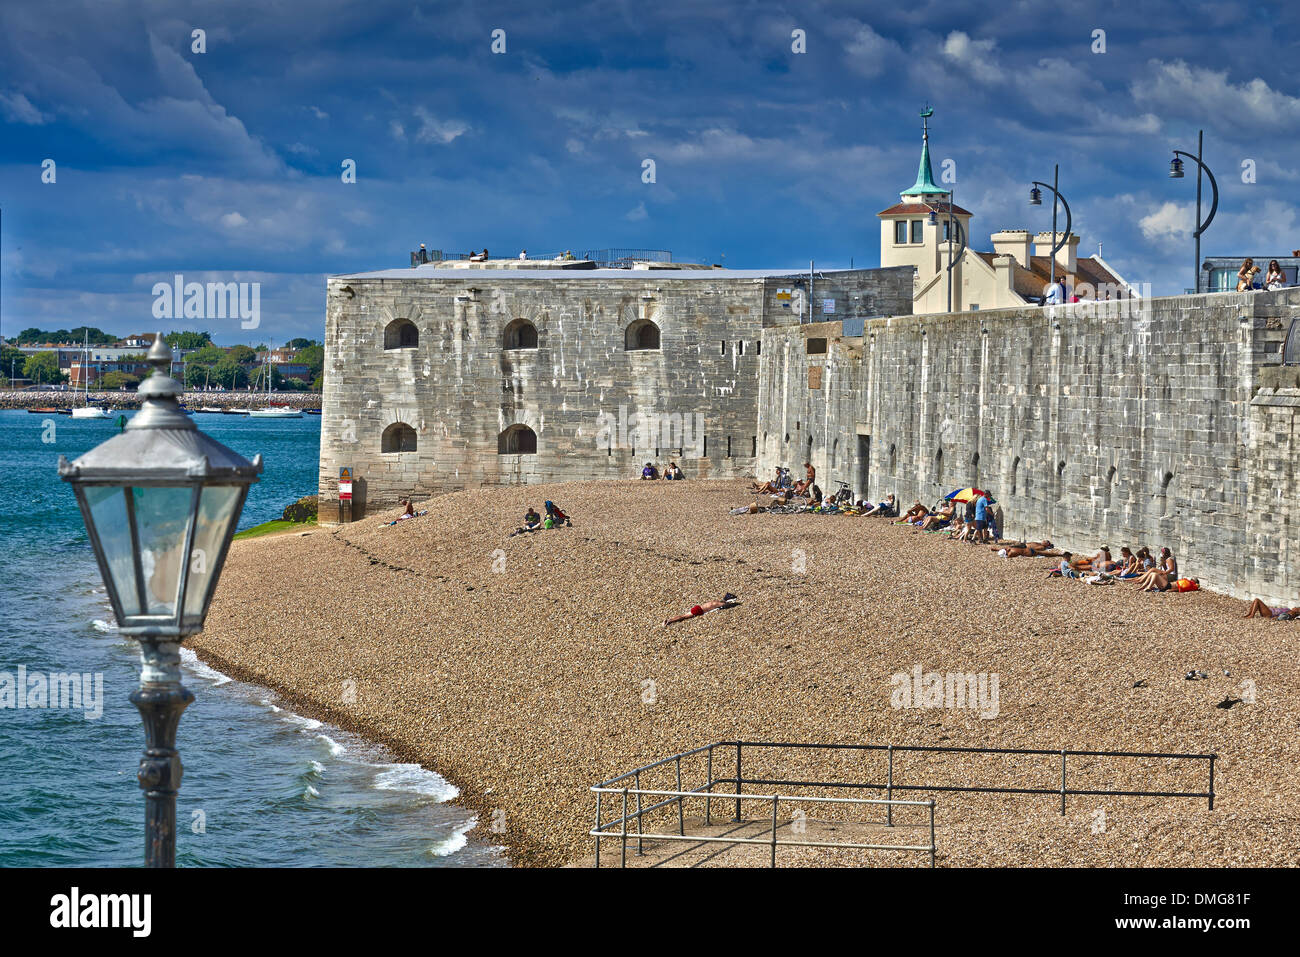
x=434 y=130
x=868 y=51
x=1169 y=221
x=233 y=220
x=978 y=56
x=1192 y=90
x=637 y=214
x=18 y=109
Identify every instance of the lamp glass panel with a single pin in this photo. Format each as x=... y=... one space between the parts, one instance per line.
x=162 y=515
x=218 y=510
x=108 y=513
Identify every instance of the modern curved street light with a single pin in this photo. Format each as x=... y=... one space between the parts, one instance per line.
x=160 y=501
x=1036 y=199
x=1176 y=172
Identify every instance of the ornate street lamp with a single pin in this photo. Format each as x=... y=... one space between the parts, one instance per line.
x=160 y=501
x=1176 y=172
x=1036 y=199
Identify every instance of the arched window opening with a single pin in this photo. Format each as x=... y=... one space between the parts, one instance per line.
x=1291 y=351
x=401 y=334
x=1166 y=508
x=520 y=334
x=517 y=440
x=642 y=334
x=398 y=437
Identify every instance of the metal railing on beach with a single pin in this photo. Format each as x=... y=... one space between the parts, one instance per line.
x=618 y=827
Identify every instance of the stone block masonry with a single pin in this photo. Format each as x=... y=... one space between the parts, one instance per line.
x=1169 y=422
x=440 y=379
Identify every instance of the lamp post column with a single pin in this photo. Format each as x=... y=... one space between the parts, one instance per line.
x=1056 y=184
x=160 y=699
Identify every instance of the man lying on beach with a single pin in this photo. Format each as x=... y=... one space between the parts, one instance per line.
x=409 y=513
x=1277 y=613
x=727 y=601
x=885 y=508
x=1024 y=549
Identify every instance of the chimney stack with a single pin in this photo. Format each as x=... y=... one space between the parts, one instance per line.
x=1065 y=256
x=1013 y=243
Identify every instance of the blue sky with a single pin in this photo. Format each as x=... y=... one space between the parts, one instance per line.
x=225 y=165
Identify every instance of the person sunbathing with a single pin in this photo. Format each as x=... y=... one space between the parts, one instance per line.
x=767 y=488
x=915 y=513
x=938 y=518
x=1158 y=579
x=1024 y=549
x=885 y=508
x=1096 y=562
x=1276 y=612
x=1160 y=575
x=727 y=601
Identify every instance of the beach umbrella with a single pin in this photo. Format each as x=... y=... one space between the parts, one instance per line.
x=968 y=495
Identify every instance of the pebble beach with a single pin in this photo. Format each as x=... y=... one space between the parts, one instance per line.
x=526 y=669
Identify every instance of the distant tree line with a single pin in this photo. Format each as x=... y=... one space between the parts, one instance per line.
x=206 y=364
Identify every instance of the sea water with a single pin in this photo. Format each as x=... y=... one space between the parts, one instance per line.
x=262 y=785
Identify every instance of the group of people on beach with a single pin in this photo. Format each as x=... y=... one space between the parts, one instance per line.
x=973 y=520
x=783 y=486
x=1149 y=572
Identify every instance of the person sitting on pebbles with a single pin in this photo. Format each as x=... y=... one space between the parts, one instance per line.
x=914 y=514
x=556 y=514
x=532 y=522
x=727 y=601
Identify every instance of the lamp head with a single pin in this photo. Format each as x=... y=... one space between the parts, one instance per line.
x=1176 y=168
x=160 y=501
x=1035 y=196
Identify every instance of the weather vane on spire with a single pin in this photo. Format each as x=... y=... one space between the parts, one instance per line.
x=925 y=121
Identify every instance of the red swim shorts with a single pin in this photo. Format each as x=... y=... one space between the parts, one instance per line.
x=696 y=610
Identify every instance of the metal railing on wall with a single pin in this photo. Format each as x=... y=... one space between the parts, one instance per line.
x=707 y=792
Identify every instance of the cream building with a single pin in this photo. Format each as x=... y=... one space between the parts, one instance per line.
x=926 y=228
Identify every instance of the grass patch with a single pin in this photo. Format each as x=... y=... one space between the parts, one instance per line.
x=273 y=526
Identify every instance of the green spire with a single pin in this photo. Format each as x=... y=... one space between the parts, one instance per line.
x=925 y=184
